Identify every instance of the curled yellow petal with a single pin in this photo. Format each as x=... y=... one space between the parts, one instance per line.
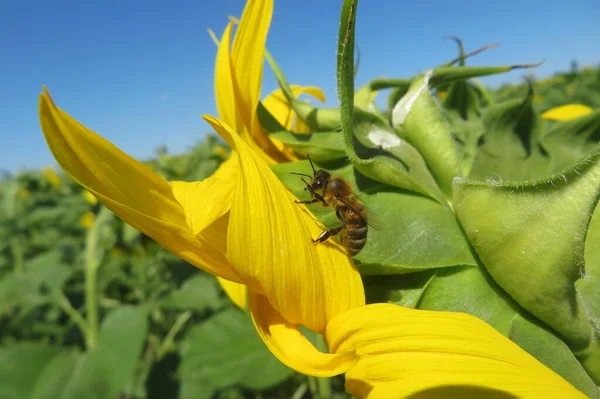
x=131 y=190
x=247 y=59
x=235 y=291
x=224 y=95
x=405 y=352
x=270 y=244
x=292 y=348
x=566 y=112
x=278 y=106
x=207 y=200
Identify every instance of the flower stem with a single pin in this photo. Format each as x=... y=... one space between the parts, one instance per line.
x=77 y=318
x=17 y=254
x=312 y=386
x=324 y=384
x=175 y=328
x=91 y=296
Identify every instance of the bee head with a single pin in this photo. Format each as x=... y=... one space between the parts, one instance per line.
x=320 y=179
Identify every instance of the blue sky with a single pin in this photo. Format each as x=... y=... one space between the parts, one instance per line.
x=141 y=72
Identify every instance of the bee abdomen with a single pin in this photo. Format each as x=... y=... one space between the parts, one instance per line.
x=354 y=239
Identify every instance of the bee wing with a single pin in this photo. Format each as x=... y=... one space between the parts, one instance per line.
x=373 y=221
x=370 y=216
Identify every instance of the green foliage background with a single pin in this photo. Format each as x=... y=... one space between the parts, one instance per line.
x=102 y=311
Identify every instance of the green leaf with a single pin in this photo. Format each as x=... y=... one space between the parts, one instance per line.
x=322 y=146
x=226 y=350
x=530 y=237
x=106 y=370
x=469 y=289
x=412 y=233
x=198 y=293
x=424 y=126
x=21 y=364
x=52 y=381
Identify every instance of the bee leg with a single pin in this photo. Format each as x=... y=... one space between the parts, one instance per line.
x=328 y=233
x=312 y=201
x=316 y=196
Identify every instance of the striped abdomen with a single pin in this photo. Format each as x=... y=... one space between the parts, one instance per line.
x=354 y=235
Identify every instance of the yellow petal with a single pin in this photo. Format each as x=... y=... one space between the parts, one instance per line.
x=567 y=112
x=235 y=291
x=247 y=59
x=279 y=107
x=207 y=200
x=224 y=94
x=407 y=352
x=131 y=190
x=270 y=245
x=292 y=348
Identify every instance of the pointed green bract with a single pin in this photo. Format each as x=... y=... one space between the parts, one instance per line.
x=378 y=153
x=322 y=146
x=462 y=101
x=424 y=126
x=371 y=144
x=447 y=74
x=510 y=148
x=530 y=237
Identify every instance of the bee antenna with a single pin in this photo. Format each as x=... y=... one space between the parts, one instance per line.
x=301 y=174
x=311 y=164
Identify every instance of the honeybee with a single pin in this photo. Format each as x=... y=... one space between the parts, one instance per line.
x=335 y=191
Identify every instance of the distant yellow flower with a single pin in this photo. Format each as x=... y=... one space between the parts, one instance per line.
x=566 y=112
x=89 y=197
x=87 y=220
x=243 y=225
x=538 y=98
x=23 y=193
x=51 y=176
x=117 y=252
x=442 y=95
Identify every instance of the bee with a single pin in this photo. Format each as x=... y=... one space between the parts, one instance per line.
x=335 y=191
